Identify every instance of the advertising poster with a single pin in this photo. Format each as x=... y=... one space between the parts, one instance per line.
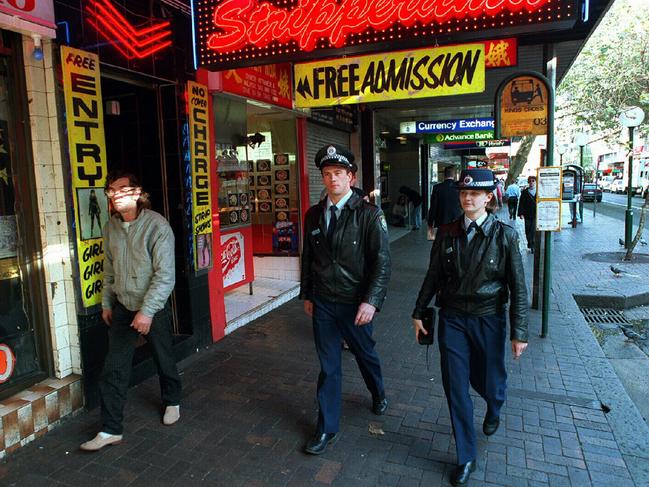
x=199 y=134
x=270 y=83
x=85 y=125
x=233 y=263
x=419 y=73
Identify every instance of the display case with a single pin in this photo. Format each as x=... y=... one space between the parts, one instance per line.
x=233 y=189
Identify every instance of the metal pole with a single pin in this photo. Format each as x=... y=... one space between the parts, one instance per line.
x=628 y=221
x=547 y=248
x=596 y=181
x=581 y=186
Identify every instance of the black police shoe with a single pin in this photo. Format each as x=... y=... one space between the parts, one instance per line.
x=490 y=426
x=461 y=474
x=379 y=406
x=317 y=444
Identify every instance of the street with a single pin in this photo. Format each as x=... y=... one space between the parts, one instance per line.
x=614 y=205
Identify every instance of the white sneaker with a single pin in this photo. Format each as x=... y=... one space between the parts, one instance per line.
x=101 y=440
x=172 y=414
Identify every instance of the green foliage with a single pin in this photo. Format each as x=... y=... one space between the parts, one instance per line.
x=611 y=73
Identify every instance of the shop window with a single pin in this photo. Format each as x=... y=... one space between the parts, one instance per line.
x=19 y=362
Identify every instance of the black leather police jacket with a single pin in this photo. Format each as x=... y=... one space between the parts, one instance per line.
x=482 y=286
x=356 y=268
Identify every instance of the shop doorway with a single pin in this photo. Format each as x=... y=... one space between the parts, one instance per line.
x=135 y=142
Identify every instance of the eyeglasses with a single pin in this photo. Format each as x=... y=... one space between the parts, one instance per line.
x=114 y=192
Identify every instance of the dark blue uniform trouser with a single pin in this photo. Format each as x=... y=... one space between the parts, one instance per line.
x=331 y=323
x=472 y=352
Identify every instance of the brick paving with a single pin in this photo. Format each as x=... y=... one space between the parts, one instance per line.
x=249 y=404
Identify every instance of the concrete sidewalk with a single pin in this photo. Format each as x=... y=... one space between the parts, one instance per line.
x=249 y=405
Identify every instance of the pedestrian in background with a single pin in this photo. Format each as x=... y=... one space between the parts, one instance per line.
x=415 y=201
x=444 y=202
x=527 y=211
x=475 y=268
x=513 y=194
x=344 y=279
x=139 y=275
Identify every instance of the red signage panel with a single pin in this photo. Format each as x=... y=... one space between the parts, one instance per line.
x=270 y=83
x=246 y=32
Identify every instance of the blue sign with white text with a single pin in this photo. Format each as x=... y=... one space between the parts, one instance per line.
x=447 y=126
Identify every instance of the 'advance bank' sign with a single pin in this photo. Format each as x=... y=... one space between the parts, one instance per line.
x=448 y=126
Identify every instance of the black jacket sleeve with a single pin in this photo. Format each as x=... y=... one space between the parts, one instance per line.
x=430 y=286
x=378 y=259
x=518 y=291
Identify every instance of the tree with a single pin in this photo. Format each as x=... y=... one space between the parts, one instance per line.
x=611 y=73
x=518 y=162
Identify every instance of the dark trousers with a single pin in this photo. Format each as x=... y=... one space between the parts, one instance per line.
x=472 y=353
x=530 y=231
x=116 y=374
x=331 y=323
x=512 y=204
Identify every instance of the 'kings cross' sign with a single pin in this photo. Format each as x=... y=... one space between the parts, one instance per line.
x=236 y=33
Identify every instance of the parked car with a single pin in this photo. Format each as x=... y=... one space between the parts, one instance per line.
x=617 y=186
x=605 y=182
x=590 y=192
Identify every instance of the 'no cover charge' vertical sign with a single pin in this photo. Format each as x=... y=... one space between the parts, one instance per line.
x=199 y=138
x=85 y=124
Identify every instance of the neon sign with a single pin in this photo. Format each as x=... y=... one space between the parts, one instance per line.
x=239 y=32
x=133 y=42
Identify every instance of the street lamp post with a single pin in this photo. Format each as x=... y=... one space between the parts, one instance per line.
x=581 y=139
x=630 y=117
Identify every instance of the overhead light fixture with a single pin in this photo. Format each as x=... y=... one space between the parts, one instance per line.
x=37 y=53
x=385 y=132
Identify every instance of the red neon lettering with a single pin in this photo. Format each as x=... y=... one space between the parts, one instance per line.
x=257 y=22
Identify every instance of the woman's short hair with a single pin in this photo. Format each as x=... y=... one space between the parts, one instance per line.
x=492 y=204
x=143 y=201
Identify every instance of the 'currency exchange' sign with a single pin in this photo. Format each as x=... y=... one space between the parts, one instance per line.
x=421 y=73
x=446 y=126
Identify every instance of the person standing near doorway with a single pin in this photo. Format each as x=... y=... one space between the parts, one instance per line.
x=527 y=210
x=444 y=201
x=139 y=275
x=344 y=279
x=415 y=201
x=513 y=194
x=475 y=269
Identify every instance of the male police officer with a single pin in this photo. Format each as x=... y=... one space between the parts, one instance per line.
x=345 y=273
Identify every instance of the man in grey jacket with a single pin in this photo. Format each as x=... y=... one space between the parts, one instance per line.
x=139 y=275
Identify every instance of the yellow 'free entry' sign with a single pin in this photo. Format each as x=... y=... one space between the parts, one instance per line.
x=85 y=123
x=419 y=73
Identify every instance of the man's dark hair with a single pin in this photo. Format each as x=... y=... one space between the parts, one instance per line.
x=531 y=178
x=143 y=201
x=449 y=172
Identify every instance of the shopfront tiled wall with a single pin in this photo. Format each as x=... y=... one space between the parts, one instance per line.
x=52 y=200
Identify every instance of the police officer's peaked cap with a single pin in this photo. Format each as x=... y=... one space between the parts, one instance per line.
x=477 y=179
x=335 y=155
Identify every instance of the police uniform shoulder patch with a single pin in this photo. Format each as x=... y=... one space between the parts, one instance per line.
x=384 y=223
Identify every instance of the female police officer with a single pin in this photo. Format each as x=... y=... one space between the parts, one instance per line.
x=475 y=265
